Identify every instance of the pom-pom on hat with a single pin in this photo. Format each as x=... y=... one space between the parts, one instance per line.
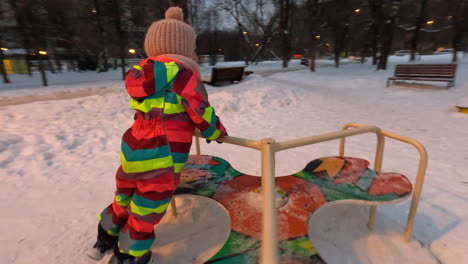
x=171 y=36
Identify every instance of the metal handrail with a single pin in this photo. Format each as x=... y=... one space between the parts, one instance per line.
x=422 y=166
x=268 y=147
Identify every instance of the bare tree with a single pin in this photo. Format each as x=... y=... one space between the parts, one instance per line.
x=285 y=7
x=254 y=19
x=421 y=17
x=22 y=32
x=459 y=25
x=388 y=29
x=97 y=10
x=315 y=25
x=118 y=28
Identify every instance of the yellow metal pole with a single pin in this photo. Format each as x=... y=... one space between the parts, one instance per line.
x=197 y=146
x=377 y=165
x=270 y=225
x=324 y=137
x=418 y=184
x=173 y=206
x=422 y=166
x=254 y=144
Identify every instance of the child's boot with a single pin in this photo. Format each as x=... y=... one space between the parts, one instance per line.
x=122 y=258
x=104 y=243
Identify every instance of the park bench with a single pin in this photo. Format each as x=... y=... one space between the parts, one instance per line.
x=425 y=72
x=224 y=74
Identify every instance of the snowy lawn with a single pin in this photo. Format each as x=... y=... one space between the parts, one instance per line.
x=58 y=159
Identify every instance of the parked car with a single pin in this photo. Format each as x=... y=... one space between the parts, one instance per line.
x=402 y=52
x=444 y=51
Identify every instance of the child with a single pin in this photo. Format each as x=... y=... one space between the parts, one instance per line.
x=170 y=102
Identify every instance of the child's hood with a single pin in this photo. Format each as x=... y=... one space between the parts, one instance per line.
x=149 y=76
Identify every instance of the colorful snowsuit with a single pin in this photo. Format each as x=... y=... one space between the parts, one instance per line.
x=170 y=102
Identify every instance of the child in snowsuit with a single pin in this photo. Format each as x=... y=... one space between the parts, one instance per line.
x=170 y=101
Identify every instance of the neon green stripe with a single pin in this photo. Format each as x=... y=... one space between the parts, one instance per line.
x=136 y=253
x=173 y=108
x=112 y=233
x=215 y=135
x=208 y=114
x=171 y=70
x=145 y=165
x=140 y=210
x=122 y=200
x=138 y=67
x=178 y=167
x=147 y=104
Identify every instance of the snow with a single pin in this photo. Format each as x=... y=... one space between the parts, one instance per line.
x=58 y=159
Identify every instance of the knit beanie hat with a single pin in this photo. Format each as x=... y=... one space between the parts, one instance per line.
x=171 y=36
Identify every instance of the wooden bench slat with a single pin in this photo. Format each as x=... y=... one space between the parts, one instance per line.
x=425 y=72
x=424 y=76
x=420 y=79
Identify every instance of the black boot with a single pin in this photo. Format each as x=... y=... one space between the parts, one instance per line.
x=104 y=243
x=122 y=258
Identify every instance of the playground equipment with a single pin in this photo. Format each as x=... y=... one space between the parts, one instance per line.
x=270 y=239
x=462 y=109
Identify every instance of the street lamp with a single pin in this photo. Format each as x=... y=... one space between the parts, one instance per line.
x=43 y=52
x=132 y=51
x=257 y=45
x=317 y=37
x=357 y=10
x=4 y=49
x=94 y=10
x=245 y=32
x=430 y=22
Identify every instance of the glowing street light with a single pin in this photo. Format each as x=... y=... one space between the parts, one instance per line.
x=43 y=52
x=4 y=49
x=257 y=45
x=357 y=10
x=317 y=37
x=430 y=22
x=245 y=32
x=220 y=49
x=132 y=51
x=94 y=10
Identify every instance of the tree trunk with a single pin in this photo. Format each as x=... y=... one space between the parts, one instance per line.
x=105 y=64
x=374 y=28
x=22 y=32
x=419 y=22
x=364 y=52
x=337 y=57
x=457 y=37
x=118 y=28
x=386 y=43
x=284 y=27
x=312 y=56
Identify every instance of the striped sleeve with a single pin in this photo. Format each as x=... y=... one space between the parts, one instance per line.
x=199 y=110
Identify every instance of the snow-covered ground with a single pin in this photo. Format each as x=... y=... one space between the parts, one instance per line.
x=58 y=158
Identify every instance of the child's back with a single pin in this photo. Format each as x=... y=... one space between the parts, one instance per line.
x=170 y=102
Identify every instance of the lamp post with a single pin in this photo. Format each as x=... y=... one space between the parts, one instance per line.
x=41 y=53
